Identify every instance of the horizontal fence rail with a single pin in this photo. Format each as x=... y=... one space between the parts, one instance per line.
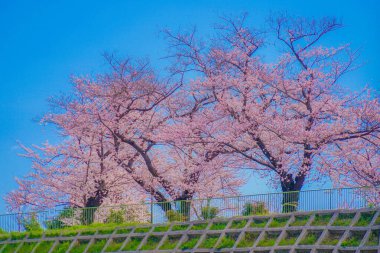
x=196 y=209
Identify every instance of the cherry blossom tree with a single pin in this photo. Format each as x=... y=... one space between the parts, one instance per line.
x=78 y=172
x=358 y=164
x=284 y=118
x=224 y=106
x=133 y=108
x=80 y=175
x=118 y=145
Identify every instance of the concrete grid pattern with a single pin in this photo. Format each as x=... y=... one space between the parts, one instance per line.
x=341 y=231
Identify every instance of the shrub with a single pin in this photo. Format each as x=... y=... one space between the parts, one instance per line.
x=116 y=217
x=174 y=216
x=31 y=223
x=255 y=208
x=66 y=214
x=209 y=212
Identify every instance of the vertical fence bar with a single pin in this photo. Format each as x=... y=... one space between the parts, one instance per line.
x=151 y=209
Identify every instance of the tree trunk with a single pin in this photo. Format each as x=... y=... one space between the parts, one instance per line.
x=88 y=215
x=184 y=209
x=92 y=204
x=291 y=193
x=184 y=205
x=290 y=200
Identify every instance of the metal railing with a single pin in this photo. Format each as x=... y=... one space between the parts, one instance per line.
x=196 y=209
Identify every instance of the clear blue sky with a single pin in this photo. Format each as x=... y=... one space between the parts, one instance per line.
x=42 y=43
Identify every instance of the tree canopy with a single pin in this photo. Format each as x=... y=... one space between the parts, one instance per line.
x=222 y=107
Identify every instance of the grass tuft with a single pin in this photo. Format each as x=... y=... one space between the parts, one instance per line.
x=35 y=234
x=288 y=241
x=69 y=233
x=123 y=231
x=332 y=238
x=79 y=247
x=133 y=244
x=321 y=219
x=199 y=226
x=210 y=241
x=4 y=237
x=218 y=225
x=18 y=235
x=27 y=247
x=151 y=243
x=311 y=238
x=170 y=242
x=279 y=222
x=105 y=231
x=228 y=241
x=161 y=228
x=238 y=224
x=377 y=221
x=300 y=221
x=373 y=239
x=290 y=238
x=190 y=242
x=99 y=226
x=62 y=247
x=179 y=227
x=97 y=246
x=354 y=239
x=259 y=223
x=88 y=232
x=365 y=219
x=142 y=230
x=248 y=239
x=52 y=233
x=115 y=244
x=44 y=247
x=268 y=240
x=344 y=219
x=10 y=248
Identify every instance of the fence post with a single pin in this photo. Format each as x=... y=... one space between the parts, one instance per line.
x=151 y=209
x=331 y=194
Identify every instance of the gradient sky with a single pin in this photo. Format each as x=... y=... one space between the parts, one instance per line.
x=42 y=43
